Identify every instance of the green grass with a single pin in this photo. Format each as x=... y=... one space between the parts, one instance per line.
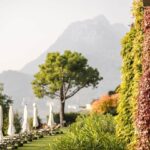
x=41 y=144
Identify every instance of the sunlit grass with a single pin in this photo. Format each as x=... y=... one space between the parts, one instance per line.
x=41 y=144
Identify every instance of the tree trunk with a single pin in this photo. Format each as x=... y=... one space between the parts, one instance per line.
x=62 y=112
x=62 y=107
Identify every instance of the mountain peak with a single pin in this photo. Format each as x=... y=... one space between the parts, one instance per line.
x=91 y=37
x=100 y=19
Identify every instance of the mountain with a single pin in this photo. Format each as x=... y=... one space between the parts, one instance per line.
x=97 y=39
x=18 y=86
x=16 y=83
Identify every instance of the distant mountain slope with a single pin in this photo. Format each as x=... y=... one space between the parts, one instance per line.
x=97 y=39
x=16 y=84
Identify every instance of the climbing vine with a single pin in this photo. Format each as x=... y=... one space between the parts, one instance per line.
x=137 y=65
x=131 y=73
x=124 y=118
x=143 y=101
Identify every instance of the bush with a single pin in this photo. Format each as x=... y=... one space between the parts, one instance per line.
x=30 y=121
x=106 y=104
x=69 y=117
x=17 y=122
x=93 y=132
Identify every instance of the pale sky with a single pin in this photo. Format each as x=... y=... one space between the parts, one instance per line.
x=29 y=27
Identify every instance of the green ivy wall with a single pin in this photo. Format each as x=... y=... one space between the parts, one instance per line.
x=131 y=72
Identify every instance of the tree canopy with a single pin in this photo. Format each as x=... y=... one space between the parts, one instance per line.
x=63 y=75
x=69 y=72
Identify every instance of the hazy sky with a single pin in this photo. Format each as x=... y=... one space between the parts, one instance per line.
x=29 y=27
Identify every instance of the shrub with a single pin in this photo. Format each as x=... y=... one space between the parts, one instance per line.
x=106 y=104
x=17 y=122
x=30 y=120
x=93 y=132
x=69 y=117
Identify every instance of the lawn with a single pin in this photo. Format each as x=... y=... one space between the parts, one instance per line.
x=40 y=144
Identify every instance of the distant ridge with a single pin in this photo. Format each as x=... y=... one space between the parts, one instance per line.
x=97 y=39
x=93 y=36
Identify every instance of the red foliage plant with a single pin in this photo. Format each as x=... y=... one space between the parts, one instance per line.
x=143 y=113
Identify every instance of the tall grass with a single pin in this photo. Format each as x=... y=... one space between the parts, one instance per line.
x=93 y=132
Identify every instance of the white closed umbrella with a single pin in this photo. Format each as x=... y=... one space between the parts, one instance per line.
x=35 y=115
x=51 y=122
x=25 y=125
x=11 y=128
x=1 y=124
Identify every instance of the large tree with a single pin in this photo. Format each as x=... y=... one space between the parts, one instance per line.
x=62 y=76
